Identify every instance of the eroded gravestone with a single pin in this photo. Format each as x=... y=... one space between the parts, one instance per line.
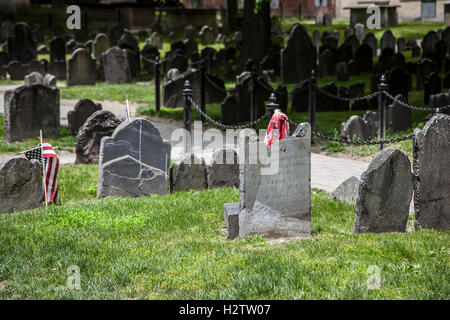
x=275 y=196
x=81 y=69
x=432 y=174
x=188 y=174
x=223 y=170
x=29 y=109
x=347 y=191
x=20 y=185
x=82 y=110
x=134 y=161
x=100 y=124
x=385 y=194
x=116 y=66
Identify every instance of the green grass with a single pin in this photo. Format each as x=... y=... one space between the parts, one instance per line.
x=173 y=247
x=64 y=142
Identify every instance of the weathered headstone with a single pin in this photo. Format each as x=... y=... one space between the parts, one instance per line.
x=372 y=42
x=431 y=174
x=385 y=194
x=81 y=69
x=100 y=124
x=342 y=71
x=134 y=161
x=20 y=43
x=387 y=40
x=347 y=191
x=82 y=110
x=327 y=64
x=34 y=78
x=29 y=109
x=20 y=185
x=273 y=204
x=116 y=65
x=359 y=31
x=364 y=58
x=188 y=174
x=155 y=40
x=16 y=70
x=359 y=128
x=57 y=49
x=206 y=35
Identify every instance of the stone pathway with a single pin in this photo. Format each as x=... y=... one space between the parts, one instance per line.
x=326 y=172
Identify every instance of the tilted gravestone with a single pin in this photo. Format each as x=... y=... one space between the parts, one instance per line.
x=134 y=161
x=81 y=69
x=347 y=191
x=82 y=110
x=100 y=124
x=223 y=170
x=275 y=196
x=399 y=116
x=20 y=185
x=298 y=57
x=29 y=109
x=431 y=174
x=385 y=194
x=116 y=65
x=188 y=174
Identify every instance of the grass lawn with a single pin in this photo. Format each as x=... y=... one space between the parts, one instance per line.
x=173 y=247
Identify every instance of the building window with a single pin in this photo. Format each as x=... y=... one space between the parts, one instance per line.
x=428 y=8
x=274 y=3
x=320 y=3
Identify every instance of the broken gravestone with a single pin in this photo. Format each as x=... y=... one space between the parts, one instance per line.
x=134 y=161
x=347 y=191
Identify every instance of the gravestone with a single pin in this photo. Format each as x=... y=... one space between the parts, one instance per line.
x=134 y=161
x=178 y=61
x=387 y=40
x=359 y=31
x=327 y=64
x=116 y=65
x=149 y=53
x=398 y=82
x=428 y=43
x=100 y=124
x=81 y=69
x=353 y=42
x=128 y=41
x=230 y=109
x=424 y=68
x=298 y=58
x=385 y=194
x=172 y=95
x=347 y=191
x=359 y=128
x=20 y=185
x=100 y=45
x=190 y=32
x=82 y=110
x=57 y=50
x=191 y=46
x=34 y=66
x=300 y=97
x=58 y=68
x=415 y=51
x=34 y=78
x=50 y=80
x=431 y=151
x=319 y=19
x=16 y=70
x=327 y=20
x=223 y=169
x=316 y=37
x=20 y=43
x=364 y=58
x=29 y=109
x=188 y=174
x=342 y=71
x=206 y=35
x=173 y=73
x=433 y=85
x=273 y=205
x=372 y=42
x=401 y=44
x=156 y=40
x=399 y=116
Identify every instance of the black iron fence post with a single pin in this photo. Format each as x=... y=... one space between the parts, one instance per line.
x=187 y=93
x=210 y=63
x=157 y=85
x=252 y=88
x=312 y=100
x=273 y=105
x=382 y=112
x=202 y=89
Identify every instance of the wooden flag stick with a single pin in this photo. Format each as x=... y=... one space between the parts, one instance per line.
x=43 y=170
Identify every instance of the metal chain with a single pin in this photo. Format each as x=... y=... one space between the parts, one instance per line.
x=216 y=86
x=409 y=106
x=225 y=126
x=357 y=143
x=346 y=99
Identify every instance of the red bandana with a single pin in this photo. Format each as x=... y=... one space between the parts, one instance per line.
x=278 y=128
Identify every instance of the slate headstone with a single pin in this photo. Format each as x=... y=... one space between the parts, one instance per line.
x=82 y=110
x=81 y=69
x=116 y=65
x=188 y=174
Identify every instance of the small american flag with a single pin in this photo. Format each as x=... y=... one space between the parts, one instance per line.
x=51 y=165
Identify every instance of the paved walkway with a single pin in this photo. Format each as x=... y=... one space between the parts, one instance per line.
x=326 y=172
